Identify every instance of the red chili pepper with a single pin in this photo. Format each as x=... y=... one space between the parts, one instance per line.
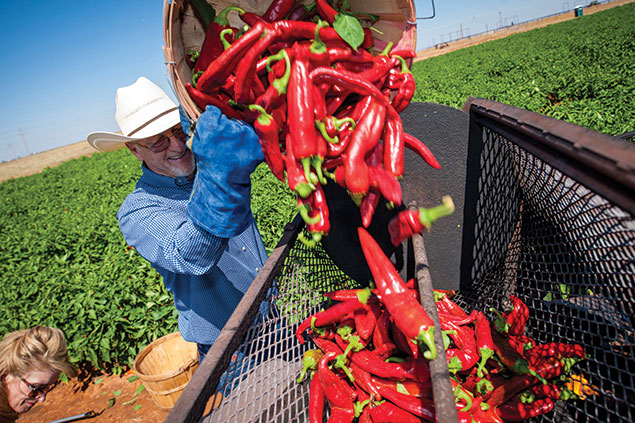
x=274 y=94
x=320 y=209
x=202 y=100
x=369 y=40
x=368 y=206
x=326 y=11
x=448 y=319
x=518 y=317
x=510 y=358
x=370 y=362
x=295 y=174
x=299 y=13
x=361 y=294
x=420 y=407
x=550 y=390
x=445 y=304
x=404 y=53
x=408 y=314
x=365 y=136
x=247 y=67
x=267 y=130
x=394 y=145
x=406 y=345
x=465 y=356
x=554 y=349
x=348 y=81
x=484 y=342
x=212 y=46
x=409 y=387
x=364 y=380
x=366 y=320
x=300 y=110
x=334 y=314
x=381 y=334
x=516 y=411
x=316 y=401
x=339 y=394
x=252 y=19
x=387 y=412
x=406 y=90
x=384 y=351
x=409 y=222
x=218 y=71
x=421 y=149
x=278 y=9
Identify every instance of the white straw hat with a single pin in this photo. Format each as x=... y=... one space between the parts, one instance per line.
x=142 y=111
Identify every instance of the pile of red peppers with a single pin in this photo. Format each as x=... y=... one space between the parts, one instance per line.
x=370 y=363
x=323 y=109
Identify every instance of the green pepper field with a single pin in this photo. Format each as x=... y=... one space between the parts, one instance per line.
x=64 y=262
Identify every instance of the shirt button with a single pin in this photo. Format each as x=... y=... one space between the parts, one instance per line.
x=257 y=269
x=244 y=248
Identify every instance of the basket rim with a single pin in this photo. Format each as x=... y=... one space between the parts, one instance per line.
x=186 y=365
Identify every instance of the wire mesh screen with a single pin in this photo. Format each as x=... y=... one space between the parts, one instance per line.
x=569 y=254
x=260 y=383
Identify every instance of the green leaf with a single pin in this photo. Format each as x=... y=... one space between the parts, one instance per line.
x=111 y=402
x=117 y=393
x=132 y=378
x=64 y=378
x=137 y=407
x=140 y=389
x=130 y=402
x=349 y=28
x=98 y=381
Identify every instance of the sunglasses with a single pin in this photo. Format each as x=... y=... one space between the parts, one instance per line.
x=163 y=142
x=37 y=390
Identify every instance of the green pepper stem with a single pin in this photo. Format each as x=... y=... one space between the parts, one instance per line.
x=404 y=65
x=426 y=337
x=429 y=216
x=223 y=33
x=321 y=126
x=318 y=46
x=221 y=18
x=386 y=49
x=304 y=212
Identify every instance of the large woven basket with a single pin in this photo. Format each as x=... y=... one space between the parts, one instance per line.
x=182 y=31
x=165 y=367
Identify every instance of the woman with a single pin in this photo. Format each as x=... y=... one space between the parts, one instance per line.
x=31 y=361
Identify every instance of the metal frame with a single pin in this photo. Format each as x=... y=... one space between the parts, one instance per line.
x=604 y=164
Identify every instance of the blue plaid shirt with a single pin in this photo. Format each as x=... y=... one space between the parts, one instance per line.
x=206 y=275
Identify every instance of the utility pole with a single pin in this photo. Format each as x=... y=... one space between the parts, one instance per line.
x=24 y=141
x=15 y=156
x=461 y=25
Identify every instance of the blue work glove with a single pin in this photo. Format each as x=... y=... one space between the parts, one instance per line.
x=227 y=151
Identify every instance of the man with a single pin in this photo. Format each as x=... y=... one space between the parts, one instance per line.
x=190 y=214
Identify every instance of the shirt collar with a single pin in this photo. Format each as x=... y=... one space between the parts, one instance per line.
x=154 y=178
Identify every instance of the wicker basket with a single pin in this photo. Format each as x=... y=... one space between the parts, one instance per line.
x=166 y=366
x=182 y=31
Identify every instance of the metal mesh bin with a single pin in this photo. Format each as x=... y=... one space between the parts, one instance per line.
x=548 y=217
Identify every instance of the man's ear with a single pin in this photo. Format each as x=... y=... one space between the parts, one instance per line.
x=134 y=149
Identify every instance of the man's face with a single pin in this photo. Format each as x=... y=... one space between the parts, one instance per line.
x=166 y=153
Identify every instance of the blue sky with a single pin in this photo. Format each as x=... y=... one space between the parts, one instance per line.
x=62 y=62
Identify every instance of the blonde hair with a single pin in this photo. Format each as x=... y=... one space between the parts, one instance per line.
x=38 y=348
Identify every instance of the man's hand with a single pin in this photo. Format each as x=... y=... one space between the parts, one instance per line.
x=227 y=151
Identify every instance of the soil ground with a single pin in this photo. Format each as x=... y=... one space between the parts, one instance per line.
x=81 y=396
x=96 y=393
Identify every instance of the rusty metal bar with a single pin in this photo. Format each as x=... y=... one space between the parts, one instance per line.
x=604 y=164
x=191 y=404
x=444 y=404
